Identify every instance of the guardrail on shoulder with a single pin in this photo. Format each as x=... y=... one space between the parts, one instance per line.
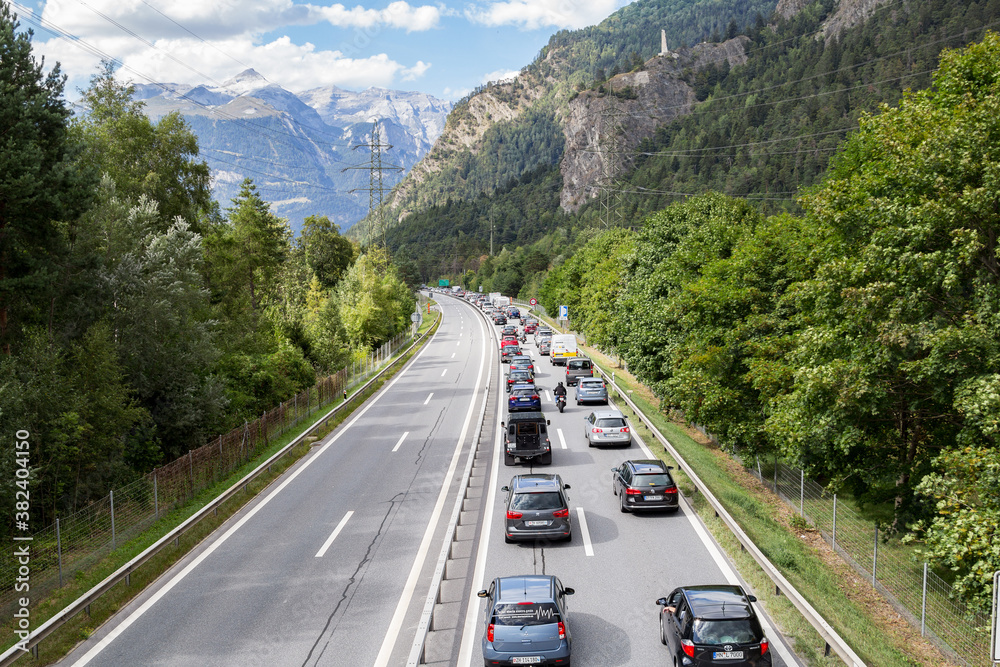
x=833 y=640
x=125 y=571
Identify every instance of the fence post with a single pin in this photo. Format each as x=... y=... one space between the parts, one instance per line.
x=923 y=604
x=875 y=556
x=775 y=474
x=156 y=497
x=59 y=553
x=112 y=496
x=835 y=522
x=802 y=493
x=191 y=470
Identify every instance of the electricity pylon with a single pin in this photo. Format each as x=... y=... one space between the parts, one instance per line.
x=375 y=233
x=611 y=151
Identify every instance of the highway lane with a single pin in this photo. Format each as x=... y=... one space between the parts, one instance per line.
x=631 y=560
x=328 y=564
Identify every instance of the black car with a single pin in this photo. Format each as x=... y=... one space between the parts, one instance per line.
x=526 y=621
x=703 y=626
x=537 y=508
x=499 y=317
x=644 y=485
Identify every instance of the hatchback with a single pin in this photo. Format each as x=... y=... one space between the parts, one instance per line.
x=591 y=390
x=499 y=317
x=537 y=508
x=607 y=427
x=509 y=330
x=530 y=326
x=703 y=626
x=508 y=351
x=523 y=397
x=526 y=621
x=522 y=362
x=542 y=332
x=644 y=485
x=519 y=377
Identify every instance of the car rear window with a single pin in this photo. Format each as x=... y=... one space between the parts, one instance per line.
x=728 y=631
x=651 y=479
x=611 y=422
x=523 y=392
x=592 y=384
x=577 y=364
x=525 y=613
x=542 y=500
x=527 y=428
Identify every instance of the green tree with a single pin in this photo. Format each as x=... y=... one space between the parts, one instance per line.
x=327 y=253
x=158 y=160
x=374 y=303
x=41 y=179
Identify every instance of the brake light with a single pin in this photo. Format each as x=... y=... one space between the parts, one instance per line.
x=624 y=429
x=534 y=397
x=764 y=645
x=686 y=645
x=562 y=630
x=514 y=515
x=561 y=514
x=633 y=492
x=489 y=633
x=672 y=492
x=596 y=430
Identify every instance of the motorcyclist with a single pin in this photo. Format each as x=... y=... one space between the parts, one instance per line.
x=560 y=390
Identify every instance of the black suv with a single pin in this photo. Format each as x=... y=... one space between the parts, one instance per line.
x=645 y=485
x=713 y=625
x=537 y=509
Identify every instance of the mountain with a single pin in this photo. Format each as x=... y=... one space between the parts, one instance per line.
x=756 y=108
x=300 y=148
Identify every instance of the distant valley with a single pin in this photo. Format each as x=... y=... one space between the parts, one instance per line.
x=299 y=148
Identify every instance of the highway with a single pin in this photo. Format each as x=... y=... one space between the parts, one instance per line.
x=331 y=564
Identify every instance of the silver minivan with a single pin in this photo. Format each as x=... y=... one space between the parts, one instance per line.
x=607 y=427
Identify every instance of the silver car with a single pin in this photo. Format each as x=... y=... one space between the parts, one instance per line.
x=591 y=390
x=545 y=346
x=607 y=427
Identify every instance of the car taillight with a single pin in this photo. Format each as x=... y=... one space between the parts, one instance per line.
x=764 y=645
x=534 y=397
x=672 y=492
x=489 y=633
x=686 y=644
x=624 y=429
x=562 y=630
x=633 y=492
x=514 y=515
x=561 y=514
x=596 y=430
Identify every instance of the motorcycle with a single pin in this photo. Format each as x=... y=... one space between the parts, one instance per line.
x=561 y=402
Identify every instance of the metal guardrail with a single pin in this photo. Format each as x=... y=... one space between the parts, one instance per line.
x=833 y=640
x=125 y=571
x=416 y=656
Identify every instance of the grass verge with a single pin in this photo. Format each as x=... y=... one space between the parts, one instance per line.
x=80 y=627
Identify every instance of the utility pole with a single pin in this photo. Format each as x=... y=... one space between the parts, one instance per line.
x=611 y=150
x=491 y=231
x=375 y=232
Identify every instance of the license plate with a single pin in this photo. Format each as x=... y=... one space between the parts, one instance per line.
x=653 y=497
x=526 y=660
x=524 y=400
x=727 y=655
x=536 y=523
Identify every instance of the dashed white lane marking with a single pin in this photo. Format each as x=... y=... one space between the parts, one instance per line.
x=401 y=439
x=562 y=440
x=333 y=536
x=588 y=547
x=428 y=399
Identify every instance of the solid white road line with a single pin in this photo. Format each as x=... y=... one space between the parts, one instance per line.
x=588 y=547
x=155 y=597
x=333 y=536
x=562 y=440
x=428 y=399
x=396 y=624
x=401 y=439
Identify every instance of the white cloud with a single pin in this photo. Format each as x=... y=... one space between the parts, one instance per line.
x=535 y=14
x=500 y=75
x=230 y=32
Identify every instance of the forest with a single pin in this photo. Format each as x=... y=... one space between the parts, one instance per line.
x=138 y=318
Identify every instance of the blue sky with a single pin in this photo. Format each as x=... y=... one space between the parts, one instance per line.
x=444 y=49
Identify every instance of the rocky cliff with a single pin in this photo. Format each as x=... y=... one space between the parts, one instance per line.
x=633 y=105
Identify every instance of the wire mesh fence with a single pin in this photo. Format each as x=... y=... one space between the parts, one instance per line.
x=78 y=540
x=908 y=584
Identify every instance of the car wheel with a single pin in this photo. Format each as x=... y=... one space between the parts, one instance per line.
x=621 y=503
x=569 y=538
x=590 y=443
x=663 y=635
x=506 y=539
x=629 y=443
x=508 y=459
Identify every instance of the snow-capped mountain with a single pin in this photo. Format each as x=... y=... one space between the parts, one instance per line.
x=298 y=147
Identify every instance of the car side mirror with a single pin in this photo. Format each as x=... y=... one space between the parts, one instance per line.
x=670 y=467
x=567 y=486
x=502 y=425
x=569 y=591
x=505 y=488
x=752 y=598
x=662 y=602
x=482 y=593
x=547 y=422
x=614 y=470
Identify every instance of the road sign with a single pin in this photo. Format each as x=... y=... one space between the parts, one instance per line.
x=563 y=312
x=995 y=634
x=533 y=301
x=443 y=283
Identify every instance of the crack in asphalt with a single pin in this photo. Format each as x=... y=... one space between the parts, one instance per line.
x=427 y=440
x=393 y=502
